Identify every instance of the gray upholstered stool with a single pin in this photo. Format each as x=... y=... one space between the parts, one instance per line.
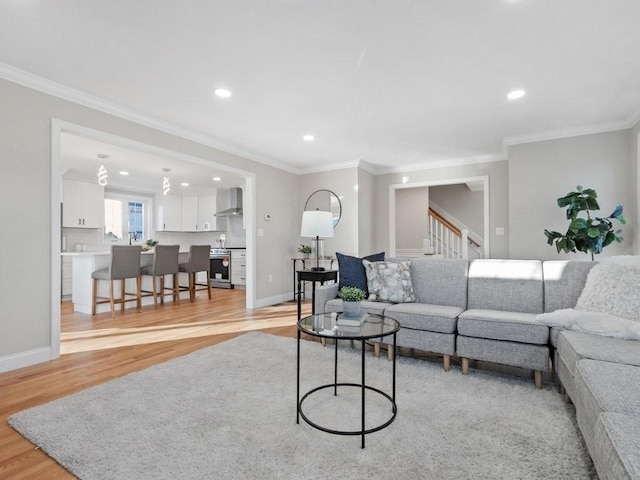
x=198 y=262
x=125 y=263
x=165 y=262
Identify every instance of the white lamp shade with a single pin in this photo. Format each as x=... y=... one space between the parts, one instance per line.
x=316 y=223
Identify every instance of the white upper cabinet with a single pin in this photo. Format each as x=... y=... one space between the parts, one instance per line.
x=190 y=213
x=82 y=204
x=206 y=210
x=187 y=213
x=170 y=213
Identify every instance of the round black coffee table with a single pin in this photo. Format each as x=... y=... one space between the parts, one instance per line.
x=325 y=326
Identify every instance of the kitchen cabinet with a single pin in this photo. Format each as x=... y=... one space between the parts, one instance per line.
x=238 y=267
x=170 y=213
x=207 y=205
x=82 y=204
x=188 y=213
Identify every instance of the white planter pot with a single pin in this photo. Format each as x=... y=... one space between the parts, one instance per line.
x=351 y=309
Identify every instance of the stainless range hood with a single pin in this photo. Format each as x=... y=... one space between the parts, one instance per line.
x=235 y=203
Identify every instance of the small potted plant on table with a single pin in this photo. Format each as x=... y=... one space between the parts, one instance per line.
x=305 y=250
x=351 y=298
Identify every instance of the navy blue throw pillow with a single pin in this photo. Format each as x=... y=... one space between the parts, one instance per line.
x=352 y=271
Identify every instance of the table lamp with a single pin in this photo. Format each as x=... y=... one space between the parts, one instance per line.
x=317 y=224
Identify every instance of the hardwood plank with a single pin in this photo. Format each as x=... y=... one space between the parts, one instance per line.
x=97 y=349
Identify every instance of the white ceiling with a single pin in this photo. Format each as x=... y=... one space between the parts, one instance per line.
x=395 y=84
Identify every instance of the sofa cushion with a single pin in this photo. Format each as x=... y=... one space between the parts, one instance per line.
x=612 y=287
x=573 y=346
x=389 y=281
x=440 y=281
x=507 y=285
x=443 y=343
x=499 y=325
x=374 y=308
x=604 y=387
x=524 y=355
x=420 y=316
x=617 y=446
x=352 y=272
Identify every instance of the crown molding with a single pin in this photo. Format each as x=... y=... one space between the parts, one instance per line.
x=453 y=162
x=30 y=80
x=569 y=132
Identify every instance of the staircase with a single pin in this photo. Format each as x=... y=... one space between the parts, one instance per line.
x=446 y=240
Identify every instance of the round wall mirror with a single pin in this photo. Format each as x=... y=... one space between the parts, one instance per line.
x=325 y=201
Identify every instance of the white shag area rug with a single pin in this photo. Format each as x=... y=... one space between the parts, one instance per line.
x=228 y=412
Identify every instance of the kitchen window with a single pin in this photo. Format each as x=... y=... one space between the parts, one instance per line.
x=126 y=218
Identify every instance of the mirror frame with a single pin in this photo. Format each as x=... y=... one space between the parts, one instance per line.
x=333 y=214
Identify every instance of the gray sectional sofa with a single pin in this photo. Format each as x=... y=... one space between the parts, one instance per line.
x=489 y=310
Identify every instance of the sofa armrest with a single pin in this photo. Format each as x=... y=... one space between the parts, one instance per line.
x=324 y=293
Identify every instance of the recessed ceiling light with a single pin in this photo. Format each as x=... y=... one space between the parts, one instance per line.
x=308 y=138
x=515 y=94
x=122 y=172
x=222 y=92
x=216 y=179
x=185 y=184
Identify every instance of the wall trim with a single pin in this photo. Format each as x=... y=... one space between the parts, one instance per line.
x=30 y=80
x=25 y=359
x=275 y=300
x=567 y=132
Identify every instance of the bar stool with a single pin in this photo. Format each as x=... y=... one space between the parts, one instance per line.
x=198 y=262
x=165 y=262
x=125 y=263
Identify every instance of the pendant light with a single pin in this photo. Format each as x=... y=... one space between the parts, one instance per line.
x=102 y=171
x=166 y=184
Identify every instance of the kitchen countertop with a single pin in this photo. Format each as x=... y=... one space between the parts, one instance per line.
x=95 y=253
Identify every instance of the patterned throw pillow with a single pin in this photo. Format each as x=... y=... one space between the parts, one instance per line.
x=389 y=281
x=352 y=272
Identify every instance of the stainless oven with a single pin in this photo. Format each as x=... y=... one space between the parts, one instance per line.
x=220 y=263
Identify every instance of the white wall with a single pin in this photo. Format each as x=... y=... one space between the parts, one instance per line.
x=541 y=172
x=26 y=211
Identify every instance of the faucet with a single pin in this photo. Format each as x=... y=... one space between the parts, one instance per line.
x=132 y=235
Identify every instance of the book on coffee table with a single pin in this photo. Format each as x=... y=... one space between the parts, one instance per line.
x=351 y=321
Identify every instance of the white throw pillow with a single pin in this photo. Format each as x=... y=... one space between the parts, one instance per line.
x=613 y=286
x=389 y=281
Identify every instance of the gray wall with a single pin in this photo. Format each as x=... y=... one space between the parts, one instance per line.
x=541 y=172
x=462 y=203
x=411 y=217
x=25 y=212
x=366 y=213
x=634 y=140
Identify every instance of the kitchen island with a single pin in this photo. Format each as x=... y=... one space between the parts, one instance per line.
x=84 y=263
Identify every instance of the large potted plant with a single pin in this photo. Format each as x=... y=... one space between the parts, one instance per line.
x=590 y=234
x=351 y=298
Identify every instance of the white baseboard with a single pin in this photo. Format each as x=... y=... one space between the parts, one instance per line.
x=25 y=359
x=267 y=302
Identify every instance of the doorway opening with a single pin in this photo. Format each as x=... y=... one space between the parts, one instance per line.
x=414 y=233
x=61 y=129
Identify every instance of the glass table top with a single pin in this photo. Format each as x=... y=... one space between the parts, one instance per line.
x=326 y=325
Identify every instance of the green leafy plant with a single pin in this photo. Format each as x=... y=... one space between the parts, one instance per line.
x=351 y=294
x=588 y=235
x=151 y=243
x=304 y=248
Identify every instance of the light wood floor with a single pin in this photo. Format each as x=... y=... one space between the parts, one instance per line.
x=98 y=349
